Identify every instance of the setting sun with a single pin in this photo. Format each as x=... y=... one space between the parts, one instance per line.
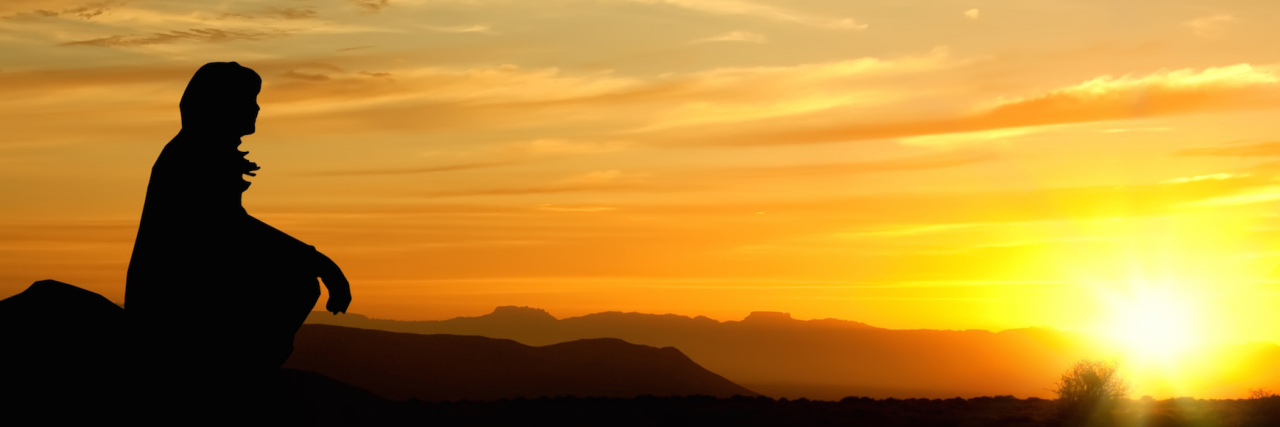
x=1155 y=326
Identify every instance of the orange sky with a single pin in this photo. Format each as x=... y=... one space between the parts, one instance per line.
x=909 y=164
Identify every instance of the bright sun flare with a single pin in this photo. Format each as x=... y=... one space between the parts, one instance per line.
x=1155 y=327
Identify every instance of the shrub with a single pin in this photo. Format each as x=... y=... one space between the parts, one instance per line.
x=1090 y=389
x=1260 y=393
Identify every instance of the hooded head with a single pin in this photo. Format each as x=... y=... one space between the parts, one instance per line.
x=222 y=98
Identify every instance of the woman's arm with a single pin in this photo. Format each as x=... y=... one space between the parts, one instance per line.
x=336 y=282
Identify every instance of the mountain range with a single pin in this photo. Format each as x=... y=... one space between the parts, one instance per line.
x=779 y=356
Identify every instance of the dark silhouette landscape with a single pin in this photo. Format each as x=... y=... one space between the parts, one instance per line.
x=68 y=346
x=776 y=355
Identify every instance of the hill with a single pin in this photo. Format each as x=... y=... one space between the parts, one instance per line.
x=401 y=366
x=62 y=350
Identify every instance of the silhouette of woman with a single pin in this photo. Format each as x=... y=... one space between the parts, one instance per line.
x=214 y=295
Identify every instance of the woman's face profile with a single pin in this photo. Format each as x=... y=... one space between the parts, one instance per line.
x=245 y=114
x=222 y=98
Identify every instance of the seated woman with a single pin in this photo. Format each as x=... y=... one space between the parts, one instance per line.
x=214 y=295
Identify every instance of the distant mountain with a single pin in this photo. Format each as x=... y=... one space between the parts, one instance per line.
x=779 y=356
x=400 y=366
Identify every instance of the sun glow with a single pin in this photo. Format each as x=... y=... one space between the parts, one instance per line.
x=1154 y=326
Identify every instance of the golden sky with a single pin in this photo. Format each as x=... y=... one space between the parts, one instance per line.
x=1087 y=165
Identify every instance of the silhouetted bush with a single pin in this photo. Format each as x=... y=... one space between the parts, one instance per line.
x=1088 y=391
x=1260 y=393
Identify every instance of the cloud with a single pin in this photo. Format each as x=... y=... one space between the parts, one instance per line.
x=621 y=109
x=1254 y=196
x=595 y=177
x=1265 y=149
x=939 y=161
x=1001 y=136
x=548 y=146
x=305 y=76
x=735 y=36
x=1138 y=129
x=291 y=12
x=207 y=35
x=594 y=181
x=547 y=189
x=417 y=170
x=370 y=6
x=1210 y=26
x=459 y=29
x=972 y=14
x=1197 y=178
x=737 y=7
x=287 y=13
x=86 y=12
x=511 y=154
x=743 y=94
x=51 y=80
x=1104 y=98
x=560 y=208
x=913 y=230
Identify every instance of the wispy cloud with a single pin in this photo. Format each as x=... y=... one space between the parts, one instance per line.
x=735 y=36
x=459 y=29
x=738 y=7
x=207 y=35
x=563 y=208
x=1198 y=178
x=597 y=177
x=291 y=12
x=548 y=146
x=913 y=230
x=1253 y=196
x=275 y=13
x=1103 y=98
x=417 y=170
x=1210 y=26
x=88 y=11
x=512 y=154
x=1138 y=129
x=939 y=161
x=546 y=189
x=370 y=6
x=1264 y=149
x=993 y=136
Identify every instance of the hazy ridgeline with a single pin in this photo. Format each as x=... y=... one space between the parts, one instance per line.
x=777 y=356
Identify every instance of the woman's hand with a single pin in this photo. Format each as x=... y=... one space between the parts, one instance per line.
x=336 y=282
